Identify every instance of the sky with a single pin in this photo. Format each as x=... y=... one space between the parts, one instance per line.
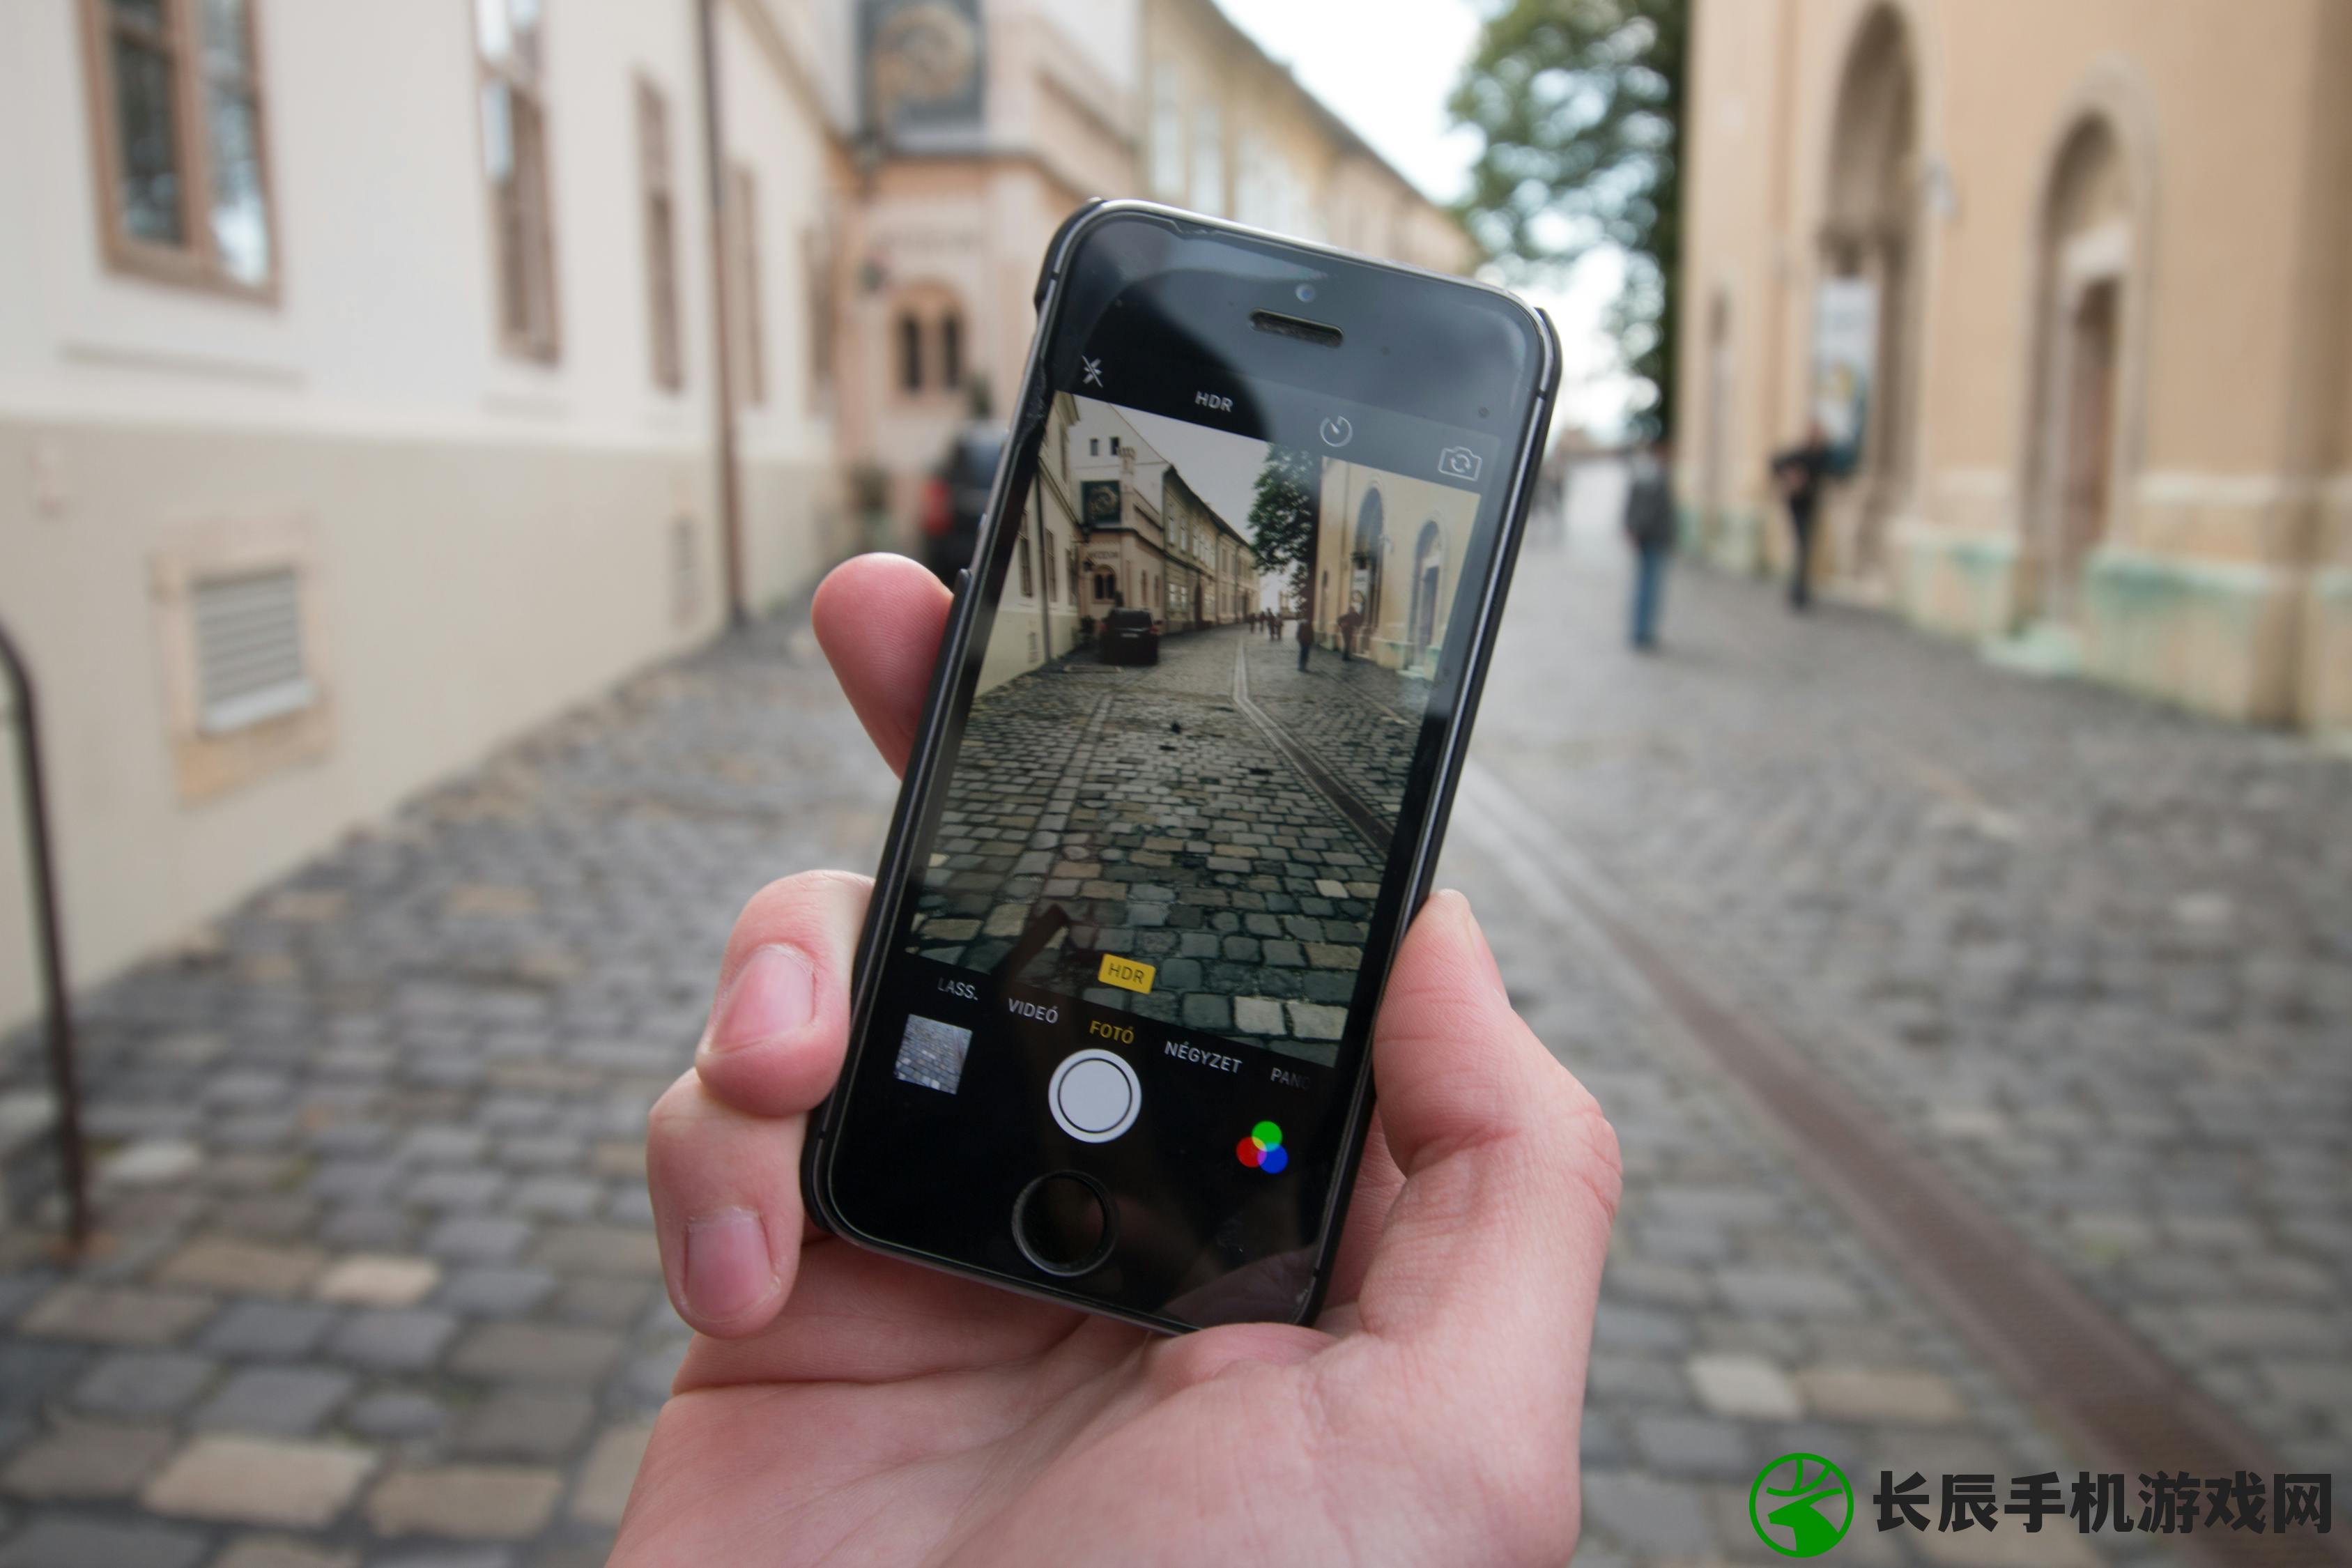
x=1387 y=67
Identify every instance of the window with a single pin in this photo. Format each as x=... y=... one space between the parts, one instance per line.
x=514 y=159
x=950 y=351
x=750 y=333
x=1107 y=586
x=1208 y=162
x=184 y=183
x=910 y=353
x=1093 y=445
x=249 y=665
x=1114 y=446
x=1028 y=573
x=1047 y=562
x=1166 y=134
x=660 y=200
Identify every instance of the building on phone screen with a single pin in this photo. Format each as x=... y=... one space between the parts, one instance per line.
x=1388 y=561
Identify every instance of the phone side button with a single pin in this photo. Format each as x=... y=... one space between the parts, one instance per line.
x=1064 y=1222
x=964 y=580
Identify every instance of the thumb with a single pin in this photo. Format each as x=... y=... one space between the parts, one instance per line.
x=1511 y=1172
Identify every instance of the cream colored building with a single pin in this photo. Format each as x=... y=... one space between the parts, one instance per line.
x=2081 y=266
x=364 y=412
x=986 y=122
x=1388 y=553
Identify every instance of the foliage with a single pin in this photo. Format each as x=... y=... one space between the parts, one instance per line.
x=1285 y=506
x=1580 y=106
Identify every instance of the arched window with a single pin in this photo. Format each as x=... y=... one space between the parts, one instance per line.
x=951 y=350
x=910 y=353
x=1428 y=584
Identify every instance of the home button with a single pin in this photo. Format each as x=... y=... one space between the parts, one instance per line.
x=1064 y=1222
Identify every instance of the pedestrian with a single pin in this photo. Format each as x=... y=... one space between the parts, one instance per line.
x=1306 y=640
x=1273 y=625
x=1650 y=529
x=1348 y=625
x=893 y=1415
x=1798 y=472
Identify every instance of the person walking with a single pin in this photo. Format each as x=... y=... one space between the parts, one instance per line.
x=1798 y=472
x=1273 y=625
x=1306 y=640
x=1348 y=624
x=1650 y=529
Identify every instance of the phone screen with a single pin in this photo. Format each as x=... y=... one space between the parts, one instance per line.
x=1117 y=1038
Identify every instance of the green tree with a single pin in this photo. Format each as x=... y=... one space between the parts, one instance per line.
x=1283 y=509
x=1581 y=104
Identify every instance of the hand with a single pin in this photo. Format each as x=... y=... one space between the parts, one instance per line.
x=841 y=1406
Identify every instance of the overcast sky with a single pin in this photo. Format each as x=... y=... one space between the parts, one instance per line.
x=1221 y=467
x=1387 y=67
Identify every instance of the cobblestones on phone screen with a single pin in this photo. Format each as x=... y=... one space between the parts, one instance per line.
x=1145 y=806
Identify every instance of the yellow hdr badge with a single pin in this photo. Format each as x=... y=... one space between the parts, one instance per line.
x=1127 y=973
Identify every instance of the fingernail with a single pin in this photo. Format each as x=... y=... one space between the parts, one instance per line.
x=727 y=1265
x=772 y=995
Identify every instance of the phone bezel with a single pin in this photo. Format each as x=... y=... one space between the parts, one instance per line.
x=921 y=778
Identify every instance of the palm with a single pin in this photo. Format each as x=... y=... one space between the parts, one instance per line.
x=863 y=1409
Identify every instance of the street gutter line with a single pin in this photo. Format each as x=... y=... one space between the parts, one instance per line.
x=1375 y=830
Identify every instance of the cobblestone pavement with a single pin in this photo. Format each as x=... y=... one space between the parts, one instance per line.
x=380 y=1287
x=1149 y=809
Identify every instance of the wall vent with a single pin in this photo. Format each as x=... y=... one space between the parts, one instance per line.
x=248 y=638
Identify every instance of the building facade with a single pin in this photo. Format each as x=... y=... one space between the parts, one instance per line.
x=359 y=389
x=1388 y=560
x=2064 y=285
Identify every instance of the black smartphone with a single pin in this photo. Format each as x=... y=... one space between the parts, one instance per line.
x=1182 y=778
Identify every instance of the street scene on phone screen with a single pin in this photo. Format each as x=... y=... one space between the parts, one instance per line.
x=1209 y=796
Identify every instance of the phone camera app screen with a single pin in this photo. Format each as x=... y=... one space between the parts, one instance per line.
x=1123 y=978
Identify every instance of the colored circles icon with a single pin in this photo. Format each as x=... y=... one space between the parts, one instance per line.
x=1263 y=1151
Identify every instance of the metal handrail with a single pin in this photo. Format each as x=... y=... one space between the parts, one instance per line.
x=73 y=1164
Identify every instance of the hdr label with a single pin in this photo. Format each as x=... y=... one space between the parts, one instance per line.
x=1127 y=973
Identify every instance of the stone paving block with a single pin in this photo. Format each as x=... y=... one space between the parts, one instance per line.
x=1694 y=1446
x=117 y=1314
x=75 y=1541
x=1744 y=1387
x=605 y=1302
x=602 y=1490
x=259 y=1481
x=283 y=1551
x=395 y=1413
x=235 y=1267
x=1667 y=1517
x=494 y=1291
x=281 y=1401
x=492 y=1502
x=478 y=1238
x=403 y=1339
x=267 y=1331
x=535 y=1352
x=144 y=1383
x=1791 y=1291
x=149 y=1162
x=523 y=1422
x=87 y=1460
x=376 y=1279
x=598 y=1249
x=1881 y=1394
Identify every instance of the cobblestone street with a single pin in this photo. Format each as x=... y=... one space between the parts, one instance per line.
x=1149 y=806
x=379 y=1285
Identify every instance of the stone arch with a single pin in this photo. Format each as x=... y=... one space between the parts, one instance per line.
x=1873 y=230
x=1365 y=560
x=2084 y=344
x=1424 y=626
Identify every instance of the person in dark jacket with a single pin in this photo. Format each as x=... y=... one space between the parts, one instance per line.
x=1650 y=527
x=1306 y=640
x=1798 y=472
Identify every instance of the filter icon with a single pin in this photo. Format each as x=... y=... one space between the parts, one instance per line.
x=1263 y=1150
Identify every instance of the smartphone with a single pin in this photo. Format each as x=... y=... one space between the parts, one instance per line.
x=1184 y=770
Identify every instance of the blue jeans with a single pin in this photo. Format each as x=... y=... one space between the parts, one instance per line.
x=1649 y=588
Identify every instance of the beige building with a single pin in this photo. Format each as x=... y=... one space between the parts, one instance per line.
x=359 y=404
x=984 y=125
x=1388 y=559
x=2073 y=278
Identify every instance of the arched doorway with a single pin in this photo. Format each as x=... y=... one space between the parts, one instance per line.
x=1365 y=560
x=2085 y=262
x=1868 y=254
x=1428 y=582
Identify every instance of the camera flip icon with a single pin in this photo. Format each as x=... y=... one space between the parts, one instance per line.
x=1458 y=463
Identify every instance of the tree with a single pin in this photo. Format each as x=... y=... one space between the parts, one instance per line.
x=1580 y=103
x=1286 y=504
